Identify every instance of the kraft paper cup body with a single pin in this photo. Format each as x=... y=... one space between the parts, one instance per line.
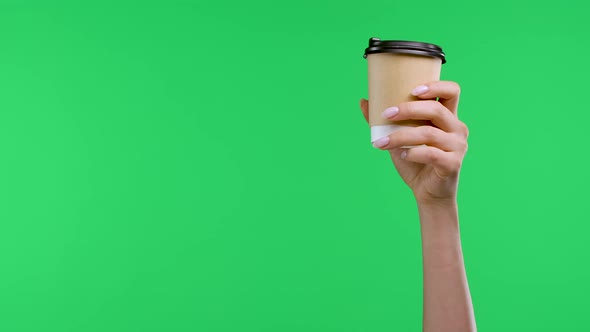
x=392 y=77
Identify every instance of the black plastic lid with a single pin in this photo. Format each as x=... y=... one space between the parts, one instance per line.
x=377 y=45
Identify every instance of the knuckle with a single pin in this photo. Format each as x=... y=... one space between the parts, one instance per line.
x=434 y=108
x=462 y=144
x=463 y=129
x=456 y=87
x=443 y=113
x=436 y=105
x=429 y=133
x=407 y=136
x=398 y=137
x=408 y=109
x=433 y=104
x=432 y=156
x=457 y=163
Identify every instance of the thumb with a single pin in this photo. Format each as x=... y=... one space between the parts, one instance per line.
x=365 y=108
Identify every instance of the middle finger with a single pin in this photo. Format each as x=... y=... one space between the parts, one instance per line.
x=431 y=110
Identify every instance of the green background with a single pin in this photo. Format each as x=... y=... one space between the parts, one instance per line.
x=204 y=166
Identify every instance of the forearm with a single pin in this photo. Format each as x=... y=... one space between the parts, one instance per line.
x=447 y=301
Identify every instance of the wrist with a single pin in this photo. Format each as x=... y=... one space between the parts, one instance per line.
x=437 y=203
x=441 y=240
x=437 y=207
x=439 y=214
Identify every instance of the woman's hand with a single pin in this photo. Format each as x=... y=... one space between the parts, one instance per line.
x=431 y=171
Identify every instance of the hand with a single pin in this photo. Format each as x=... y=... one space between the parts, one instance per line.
x=431 y=171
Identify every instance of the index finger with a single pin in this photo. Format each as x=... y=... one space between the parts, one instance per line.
x=448 y=93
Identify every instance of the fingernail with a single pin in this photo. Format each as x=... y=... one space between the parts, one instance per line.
x=404 y=154
x=390 y=112
x=383 y=141
x=420 y=90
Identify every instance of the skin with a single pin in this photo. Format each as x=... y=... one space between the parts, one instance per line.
x=432 y=172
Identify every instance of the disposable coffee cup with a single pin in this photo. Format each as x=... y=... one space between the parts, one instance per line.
x=396 y=67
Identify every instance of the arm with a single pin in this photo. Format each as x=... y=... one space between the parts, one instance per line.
x=431 y=169
x=447 y=302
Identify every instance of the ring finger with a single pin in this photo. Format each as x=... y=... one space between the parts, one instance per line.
x=428 y=135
